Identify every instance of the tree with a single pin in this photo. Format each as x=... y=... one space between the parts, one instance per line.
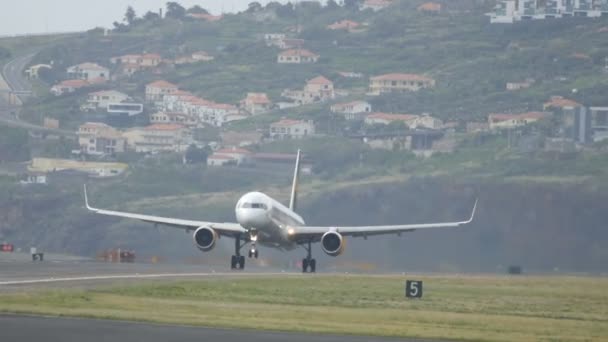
x=286 y=11
x=151 y=16
x=352 y=4
x=14 y=144
x=195 y=155
x=254 y=7
x=130 y=16
x=332 y=4
x=197 y=10
x=175 y=10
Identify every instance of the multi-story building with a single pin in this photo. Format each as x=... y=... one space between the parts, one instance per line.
x=97 y=138
x=498 y=121
x=159 y=137
x=397 y=82
x=156 y=91
x=510 y=11
x=386 y=118
x=88 y=72
x=354 y=110
x=315 y=90
x=101 y=99
x=291 y=129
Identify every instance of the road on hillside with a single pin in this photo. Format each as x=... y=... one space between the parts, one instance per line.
x=13 y=73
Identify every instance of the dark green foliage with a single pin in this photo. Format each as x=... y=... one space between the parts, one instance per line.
x=175 y=10
x=14 y=144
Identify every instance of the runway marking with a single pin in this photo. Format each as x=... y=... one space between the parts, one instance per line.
x=135 y=276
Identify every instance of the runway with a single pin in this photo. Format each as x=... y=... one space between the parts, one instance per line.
x=18 y=274
x=50 y=329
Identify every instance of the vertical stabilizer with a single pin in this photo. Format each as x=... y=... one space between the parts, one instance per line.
x=294 y=187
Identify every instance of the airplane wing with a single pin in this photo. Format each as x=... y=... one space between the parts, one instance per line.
x=315 y=232
x=223 y=228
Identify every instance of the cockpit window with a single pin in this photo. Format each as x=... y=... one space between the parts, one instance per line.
x=254 y=205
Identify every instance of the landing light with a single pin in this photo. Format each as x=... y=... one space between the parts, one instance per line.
x=291 y=231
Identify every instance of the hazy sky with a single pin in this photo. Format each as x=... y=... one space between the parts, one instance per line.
x=40 y=16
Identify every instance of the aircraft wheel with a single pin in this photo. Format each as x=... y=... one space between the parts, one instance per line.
x=233 y=262
x=313 y=265
x=304 y=265
x=255 y=254
x=241 y=262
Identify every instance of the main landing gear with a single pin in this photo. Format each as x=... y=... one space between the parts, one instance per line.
x=309 y=264
x=237 y=262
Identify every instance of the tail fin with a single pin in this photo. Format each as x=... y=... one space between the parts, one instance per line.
x=294 y=186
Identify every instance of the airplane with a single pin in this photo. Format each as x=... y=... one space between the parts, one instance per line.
x=264 y=220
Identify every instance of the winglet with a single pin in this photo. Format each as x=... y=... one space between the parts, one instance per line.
x=472 y=213
x=294 y=187
x=86 y=199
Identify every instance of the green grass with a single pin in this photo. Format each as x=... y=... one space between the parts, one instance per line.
x=488 y=308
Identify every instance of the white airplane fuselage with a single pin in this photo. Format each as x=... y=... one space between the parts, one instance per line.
x=268 y=218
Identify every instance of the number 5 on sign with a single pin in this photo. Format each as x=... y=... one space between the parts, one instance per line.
x=413 y=288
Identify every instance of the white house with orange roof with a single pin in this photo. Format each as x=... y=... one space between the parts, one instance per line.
x=156 y=91
x=386 y=118
x=297 y=56
x=101 y=99
x=353 y=110
x=159 y=137
x=233 y=155
x=397 y=82
x=291 y=129
x=88 y=72
x=256 y=103
x=497 y=121
x=68 y=86
x=560 y=102
x=96 y=138
x=315 y=90
x=375 y=5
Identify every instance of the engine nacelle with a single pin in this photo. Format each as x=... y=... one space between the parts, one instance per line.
x=205 y=238
x=332 y=243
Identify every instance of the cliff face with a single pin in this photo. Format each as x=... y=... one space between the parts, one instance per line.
x=541 y=227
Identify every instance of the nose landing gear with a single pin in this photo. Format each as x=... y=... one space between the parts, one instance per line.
x=237 y=261
x=253 y=252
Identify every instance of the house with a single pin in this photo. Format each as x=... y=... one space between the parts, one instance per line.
x=281 y=162
x=96 y=138
x=50 y=123
x=273 y=39
x=147 y=60
x=498 y=121
x=93 y=169
x=425 y=121
x=397 y=82
x=375 y=5
x=231 y=155
x=291 y=129
x=256 y=103
x=350 y=74
x=315 y=90
x=32 y=72
x=386 y=118
x=101 y=99
x=297 y=56
x=347 y=25
x=174 y=118
x=68 y=86
x=156 y=91
x=202 y=56
x=429 y=7
x=321 y=87
x=159 y=137
x=88 y=72
x=559 y=102
x=354 y=110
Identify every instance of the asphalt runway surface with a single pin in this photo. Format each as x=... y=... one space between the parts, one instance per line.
x=19 y=274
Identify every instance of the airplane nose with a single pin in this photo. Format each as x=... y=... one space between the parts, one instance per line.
x=249 y=218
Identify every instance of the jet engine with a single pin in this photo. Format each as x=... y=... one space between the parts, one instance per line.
x=332 y=243
x=204 y=238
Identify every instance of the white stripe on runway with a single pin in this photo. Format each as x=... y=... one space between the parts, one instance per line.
x=136 y=276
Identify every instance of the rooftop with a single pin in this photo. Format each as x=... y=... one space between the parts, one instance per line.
x=161 y=84
x=163 y=127
x=401 y=77
x=319 y=80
